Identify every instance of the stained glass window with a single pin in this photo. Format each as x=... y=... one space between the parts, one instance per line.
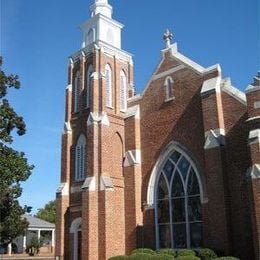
x=178 y=207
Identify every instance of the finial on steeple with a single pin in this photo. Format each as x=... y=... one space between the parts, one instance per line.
x=167 y=37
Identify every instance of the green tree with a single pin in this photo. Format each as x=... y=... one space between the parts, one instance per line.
x=48 y=213
x=14 y=167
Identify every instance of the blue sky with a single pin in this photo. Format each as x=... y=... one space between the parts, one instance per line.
x=37 y=36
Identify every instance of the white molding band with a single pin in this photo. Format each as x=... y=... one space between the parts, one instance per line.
x=95 y=118
x=132 y=157
x=63 y=189
x=106 y=183
x=254 y=171
x=89 y=184
x=227 y=87
x=211 y=86
x=254 y=136
x=214 y=138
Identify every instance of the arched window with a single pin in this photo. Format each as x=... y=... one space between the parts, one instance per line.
x=89 y=84
x=178 y=205
x=168 y=89
x=76 y=92
x=123 y=94
x=90 y=36
x=75 y=230
x=80 y=158
x=109 y=94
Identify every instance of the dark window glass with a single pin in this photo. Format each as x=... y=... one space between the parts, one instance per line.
x=175 y=156
x=194 y=209
x=179 y=235
x=178 y=210
x=177 y=186
x=165 y=236
x=168 y=169
x=193 y=185
x=196 y=234
x=163 y=211
x=162 y=188
x=183 y=166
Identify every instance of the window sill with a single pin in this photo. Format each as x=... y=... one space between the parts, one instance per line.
x=110 y=107
x=169 y=99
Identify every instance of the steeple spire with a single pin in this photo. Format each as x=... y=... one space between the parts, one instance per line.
x=101 y=7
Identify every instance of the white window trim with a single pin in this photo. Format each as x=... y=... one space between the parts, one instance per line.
x=123 y=99
x=89 y=85
x=109 y=89
x=167 y=97
x=76 y=93
x=80 y=159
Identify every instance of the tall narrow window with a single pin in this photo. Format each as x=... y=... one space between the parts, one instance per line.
x=109 y=94
x=89 y=85
x=178 y=207
x=76 y=93
x=80 y=158
x=123 y=97
x=168 y=89
x=90 y=36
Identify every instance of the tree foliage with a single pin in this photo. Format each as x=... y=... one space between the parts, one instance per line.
x=14 y=167
x=48 y=213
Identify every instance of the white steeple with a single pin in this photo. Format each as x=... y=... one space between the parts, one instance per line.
x=101 y=7
x=101 y=28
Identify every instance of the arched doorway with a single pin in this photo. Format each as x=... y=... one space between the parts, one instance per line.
x=75 y=229
x=176 y=193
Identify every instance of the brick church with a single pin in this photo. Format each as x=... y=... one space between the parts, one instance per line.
x=177 y=166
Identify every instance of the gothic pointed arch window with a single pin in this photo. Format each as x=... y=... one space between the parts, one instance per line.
x=168 y=84
x=123 y=91
x=76 y=87
x=89 y=84
x=178 y=204
x=80 y=158
x=109 y=91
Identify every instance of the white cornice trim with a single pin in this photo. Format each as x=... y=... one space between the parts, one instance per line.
x=133 y=111
x=213 y=139
x=227 y=87
x=252 y=88
x=96 y=118
x=106 y=183
x=67 y=128
x=211 y=86
x=89 y=184
x=132 y=157
x=63 y=189
x=254 y=136
x=168 y=72
x=134 y=98
x=254 y=171
x=69 y=87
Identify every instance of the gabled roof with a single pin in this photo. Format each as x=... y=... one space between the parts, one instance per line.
x=38 y=223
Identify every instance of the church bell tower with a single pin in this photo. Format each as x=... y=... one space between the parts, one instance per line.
x=90 y=198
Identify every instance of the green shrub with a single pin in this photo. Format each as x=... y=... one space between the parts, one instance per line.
x=167 y=251
x=161 y=257
x=140 y=256
x=186 y=252
x=144 y=250
x=187 y=257
x=227 y=258
x=207 y=254
x=119 y=257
